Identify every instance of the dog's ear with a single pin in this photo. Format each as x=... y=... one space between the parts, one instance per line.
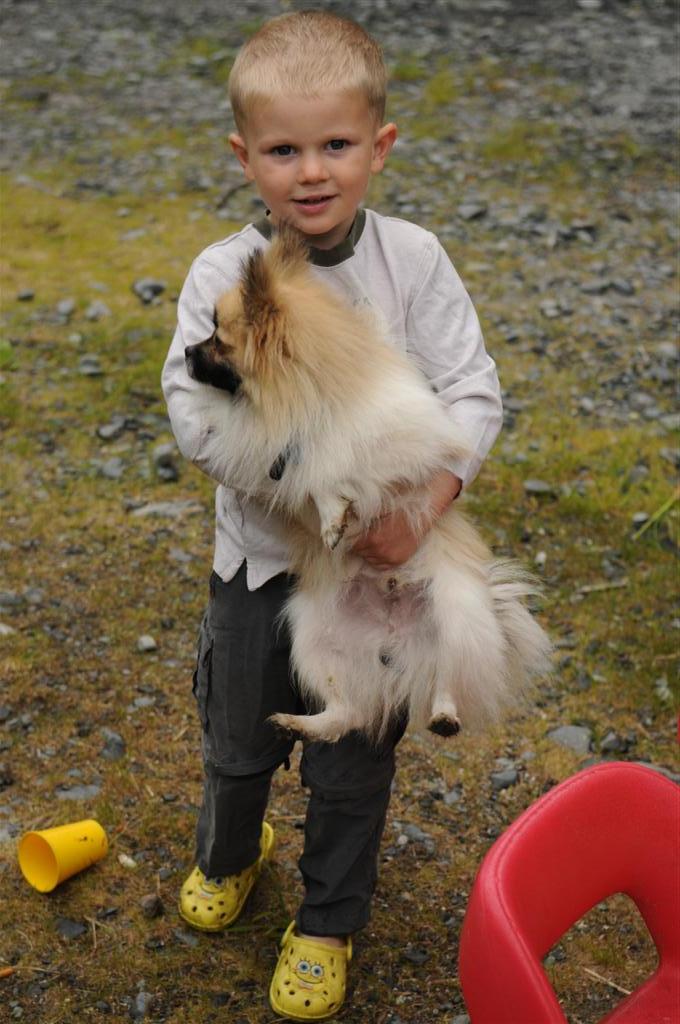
x=256 y=288
x=262 y=312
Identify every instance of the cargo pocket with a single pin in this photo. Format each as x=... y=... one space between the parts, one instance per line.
x=201 y=679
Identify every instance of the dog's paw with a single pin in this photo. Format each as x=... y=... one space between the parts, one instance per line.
x=444 y=725
x=333 y=534
x=335 y=513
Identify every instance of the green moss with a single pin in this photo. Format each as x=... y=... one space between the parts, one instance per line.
x=520 y=141
x=407 y=68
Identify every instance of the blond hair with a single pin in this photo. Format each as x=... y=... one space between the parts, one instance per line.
x=308 y=52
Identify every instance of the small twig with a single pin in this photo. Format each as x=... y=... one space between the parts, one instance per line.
x=93 y=923
x=178 y=735
x=27 y=967
x=594 y=588
x=606 y=981
x=661 y=511
x=666 y=657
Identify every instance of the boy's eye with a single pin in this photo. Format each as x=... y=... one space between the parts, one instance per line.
x=337 y=144
x=282 y=150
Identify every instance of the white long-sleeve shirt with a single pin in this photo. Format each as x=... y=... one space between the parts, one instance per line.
x=397 y=272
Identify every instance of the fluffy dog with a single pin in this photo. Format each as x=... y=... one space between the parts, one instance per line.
x=310 y=411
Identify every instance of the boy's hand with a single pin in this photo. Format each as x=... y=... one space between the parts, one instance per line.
x=393 y=540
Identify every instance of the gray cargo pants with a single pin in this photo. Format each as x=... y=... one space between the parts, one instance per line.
x=242 y=677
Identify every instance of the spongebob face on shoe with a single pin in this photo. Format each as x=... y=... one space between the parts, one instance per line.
x=308 y=973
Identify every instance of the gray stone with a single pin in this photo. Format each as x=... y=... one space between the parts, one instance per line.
x=113 y=468
x=6 y=775
x=538 y=488
x=415 y=833
x=186 y=938
x=164 y=456
x=550 y=309
x=671 y=421
x=671 y=455
x=152 y=905
x=170 y=509
x=90 y=366
x=97 y=310
x=142 y=1005
x=141 y=702
x=415 y=955
x=80 y=792
x=113 y=429
x=146 y=643
x=453 y=796
x=612 y=743
x=663 y=690
x=148 y=288
x=180 y=555
x=595 y=287
x=114 y=746
x=574 y=737
x=472 y=211
x=668 y=350
x=66 y=307
x=504 y=779
x=622 y=286
x=69 y=929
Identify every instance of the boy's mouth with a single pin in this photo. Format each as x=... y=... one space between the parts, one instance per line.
x=313 y=202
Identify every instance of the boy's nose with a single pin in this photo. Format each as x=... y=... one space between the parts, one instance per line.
x=312 y=168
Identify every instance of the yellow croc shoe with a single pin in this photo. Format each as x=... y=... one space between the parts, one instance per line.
x=310 y=978
x=211 y=904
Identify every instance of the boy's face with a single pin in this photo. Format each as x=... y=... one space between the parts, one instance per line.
x=312 y=158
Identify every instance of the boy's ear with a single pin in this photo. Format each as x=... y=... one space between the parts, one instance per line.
x=237 y=143
x=382 y=144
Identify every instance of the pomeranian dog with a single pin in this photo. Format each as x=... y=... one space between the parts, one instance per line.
x=312 y=412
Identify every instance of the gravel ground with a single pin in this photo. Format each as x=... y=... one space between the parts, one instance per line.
x=538 y=141
x=623 y=55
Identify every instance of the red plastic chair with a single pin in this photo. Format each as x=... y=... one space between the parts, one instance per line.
x=611 y=828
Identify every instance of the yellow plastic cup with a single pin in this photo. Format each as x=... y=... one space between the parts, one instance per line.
x=49 y=857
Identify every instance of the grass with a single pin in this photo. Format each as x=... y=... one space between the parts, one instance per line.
x=92 y=577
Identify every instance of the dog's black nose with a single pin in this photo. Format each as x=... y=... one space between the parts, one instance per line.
x=202 y=366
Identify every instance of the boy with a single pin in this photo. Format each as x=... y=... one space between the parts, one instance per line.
x=308 y=95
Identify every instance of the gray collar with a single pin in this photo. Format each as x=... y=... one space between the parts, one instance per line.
x=324 y=257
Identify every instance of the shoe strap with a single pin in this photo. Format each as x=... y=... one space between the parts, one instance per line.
x=290 y=933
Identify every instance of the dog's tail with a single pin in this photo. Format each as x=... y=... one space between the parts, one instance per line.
x=529 y=647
